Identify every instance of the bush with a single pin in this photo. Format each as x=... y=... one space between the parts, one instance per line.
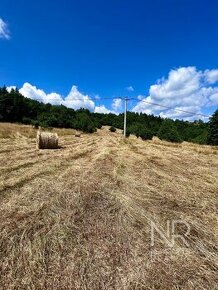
x=90 y=128
x=112 y=129
x=168 y=132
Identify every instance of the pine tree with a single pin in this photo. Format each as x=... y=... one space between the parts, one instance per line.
x=213 y=129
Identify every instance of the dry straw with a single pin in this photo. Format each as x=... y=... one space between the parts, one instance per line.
x=80 y=218
x=46 y=140
x=77 y=134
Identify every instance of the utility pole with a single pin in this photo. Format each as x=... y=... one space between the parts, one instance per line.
x=125 y=111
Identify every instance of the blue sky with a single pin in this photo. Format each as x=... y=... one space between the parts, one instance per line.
x=155 y=51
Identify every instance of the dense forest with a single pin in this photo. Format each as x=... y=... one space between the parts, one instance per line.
x=16 y=108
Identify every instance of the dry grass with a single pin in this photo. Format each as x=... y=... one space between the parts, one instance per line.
x=79 y=217
x=14 y=131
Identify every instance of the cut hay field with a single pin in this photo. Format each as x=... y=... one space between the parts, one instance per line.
x=82 y=217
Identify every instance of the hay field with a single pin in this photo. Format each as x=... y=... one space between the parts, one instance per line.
x=80 y=217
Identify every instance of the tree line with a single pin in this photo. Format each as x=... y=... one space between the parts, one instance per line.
x=14 y=107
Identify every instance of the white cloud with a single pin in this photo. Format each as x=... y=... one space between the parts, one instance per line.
x=180 y=84
x=130 y=89
x=102 y=109
x=32 y=92
x=211 y=76
x=185 y=87
x=214 y=98
x=75 y=99
x=117 y=104
x=10 y=88
x=4 y=31
x=54 y=99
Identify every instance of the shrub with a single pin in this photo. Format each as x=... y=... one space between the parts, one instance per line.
x=90 y=128
x=112 y=129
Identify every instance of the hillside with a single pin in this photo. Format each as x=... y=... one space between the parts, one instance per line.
x=80 y=217
x=15 y=108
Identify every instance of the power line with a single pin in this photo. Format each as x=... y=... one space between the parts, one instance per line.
x=171 y=108
x=125 y=99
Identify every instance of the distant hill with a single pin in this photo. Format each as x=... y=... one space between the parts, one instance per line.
x=16 y=108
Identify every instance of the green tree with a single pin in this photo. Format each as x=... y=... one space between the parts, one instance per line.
x=85 y=123
x=213 y=129
x=168 y=131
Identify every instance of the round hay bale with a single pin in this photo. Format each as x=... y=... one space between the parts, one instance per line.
x=46 y=140
x=77 y=135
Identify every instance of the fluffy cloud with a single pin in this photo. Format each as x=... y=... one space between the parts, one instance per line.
x=102 y=109
x=117 y=104
x=214 y=98
x=75 y=99
x=10 y=88
x=32 y=92
x=4 y=31
x=211 y=76
x=185 y=89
